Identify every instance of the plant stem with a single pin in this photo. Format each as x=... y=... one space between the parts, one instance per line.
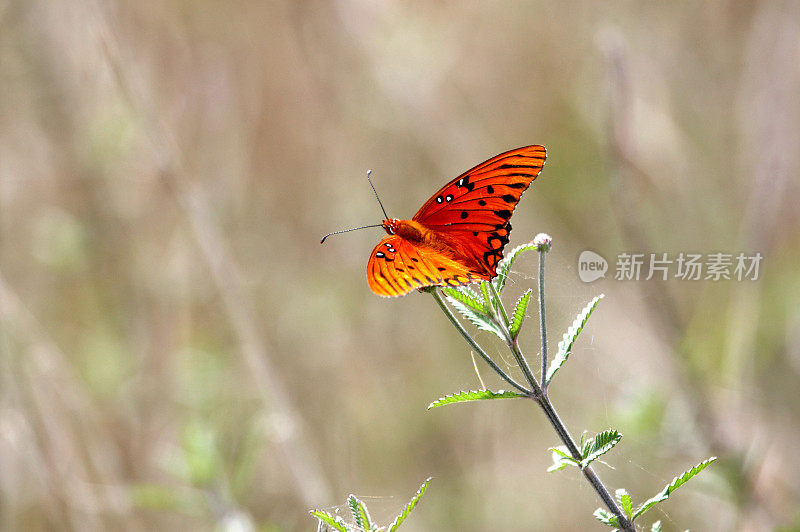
x=500 y=314
x=558 y=425
x=525 y=367
x=542 y=323
x=588 y=472
x=537 y=392
x=500 y=306
x=478 y=349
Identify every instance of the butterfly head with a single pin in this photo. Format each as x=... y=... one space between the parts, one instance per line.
x=390 y=225
x=406 y=229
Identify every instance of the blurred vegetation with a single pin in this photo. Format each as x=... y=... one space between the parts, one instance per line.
x=178 y=352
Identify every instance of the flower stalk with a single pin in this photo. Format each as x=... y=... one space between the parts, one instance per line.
x=537 y=391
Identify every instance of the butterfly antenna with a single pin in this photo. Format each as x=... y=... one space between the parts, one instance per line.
x=347 y=231
x=385 y=216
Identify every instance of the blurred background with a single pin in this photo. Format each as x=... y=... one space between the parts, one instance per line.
x=179 y=352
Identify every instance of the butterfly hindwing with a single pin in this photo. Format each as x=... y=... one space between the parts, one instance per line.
x=474 y=209
x=397 y=266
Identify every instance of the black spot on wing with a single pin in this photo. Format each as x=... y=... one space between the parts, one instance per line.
x=507 y=166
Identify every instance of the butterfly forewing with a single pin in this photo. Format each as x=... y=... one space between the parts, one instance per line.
x=507 y=174
x=475 y=207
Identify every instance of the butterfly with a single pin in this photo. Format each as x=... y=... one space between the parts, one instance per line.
x=457 y=237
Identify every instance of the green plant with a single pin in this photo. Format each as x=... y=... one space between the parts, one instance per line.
x=485 y=310
x=362 y=522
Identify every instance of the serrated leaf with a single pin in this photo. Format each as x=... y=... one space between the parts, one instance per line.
x=504 y=266
x=599 y=445
x=469 y=290
x=656 y=527
x=624 y=500
x=561 y=459
x=464 y=297
x=336 y=522
x=565 y=345
x=477 y=319
x=676 y=483
x=519 y=313
x=410 y=506
x=473 y=395
x=360 y=513
x=606 y=517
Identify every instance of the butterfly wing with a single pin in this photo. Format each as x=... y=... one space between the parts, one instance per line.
x=473 y=210
x=397 y=266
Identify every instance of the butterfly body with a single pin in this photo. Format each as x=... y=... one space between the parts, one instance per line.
x=457 y=236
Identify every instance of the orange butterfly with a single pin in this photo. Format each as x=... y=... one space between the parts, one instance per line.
x=458 y=236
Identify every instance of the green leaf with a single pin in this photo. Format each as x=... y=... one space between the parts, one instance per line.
x=504 y=266
x=469 y=290
x=676 y=483
x=360 y=513
x=606 y=517
x=565 y=345
x=464 y=297
x=519 y=313
x=624 y=500
x=410 y=506
x=473 y=395
x=599 y=445
x=479 y=320
x=335 y=522
x=561 y=459
x=656 y=527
